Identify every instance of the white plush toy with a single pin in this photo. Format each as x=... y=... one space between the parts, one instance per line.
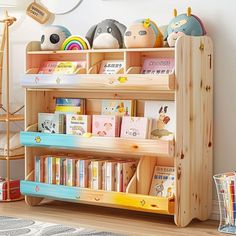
x=53 y=37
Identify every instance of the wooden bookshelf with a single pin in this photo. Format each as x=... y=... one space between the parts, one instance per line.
x=190 y=152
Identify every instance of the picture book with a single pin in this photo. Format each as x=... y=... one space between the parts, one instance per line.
x=70 y=172
x=59 y=170
x=118 y=107
x=158 y=66
x=163 y=118
x=110 y=178
x=39 y=169
x=51 y=123
x=96 y=174
x=83 y=172
x=135 y=127
x=163 y=181
x=70 y=106
x=107 y=126
x=111 y=66
x=60 y=67
x=129 y=169
x=119 y=177
x=78 y=124
x=51 y=170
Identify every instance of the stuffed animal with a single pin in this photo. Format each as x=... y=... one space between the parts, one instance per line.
x=107 y=34
x=184 y=24
x=143 y=33
x=53 y=37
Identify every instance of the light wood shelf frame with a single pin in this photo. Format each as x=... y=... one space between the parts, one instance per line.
x=193 y=95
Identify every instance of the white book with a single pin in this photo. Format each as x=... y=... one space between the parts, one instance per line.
x=163 y=118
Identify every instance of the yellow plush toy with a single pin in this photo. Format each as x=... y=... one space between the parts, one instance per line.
x=143 y=33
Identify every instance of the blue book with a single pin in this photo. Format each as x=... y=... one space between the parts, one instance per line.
x=77 y=102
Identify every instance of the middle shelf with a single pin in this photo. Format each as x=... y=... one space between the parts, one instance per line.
x=139 y=147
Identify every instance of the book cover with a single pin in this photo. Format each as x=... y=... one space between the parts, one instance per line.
x=162 y=114
x=70 y=106
x=163 y=181
x=70 y=172
x=59 y=170
x=83 y=173
x=135 y=127
x=60 y=67
x=51 y=170
x=119 y=177
x=111 y=66
x=51 y=123
x=39 y=169
x=110 y=178
x=158 y=66
x=108 y=126
x=118 y=107
x=129 y=169
x=96 y=174
x=78 y=124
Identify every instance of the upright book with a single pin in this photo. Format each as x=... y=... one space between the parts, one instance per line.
x=162 y=114
x=111 y=66
x=163 y=181
x=118 y=107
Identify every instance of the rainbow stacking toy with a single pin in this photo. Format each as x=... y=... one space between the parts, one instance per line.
x=75 y=42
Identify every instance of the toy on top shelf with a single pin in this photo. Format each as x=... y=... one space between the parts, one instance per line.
x=184 y=24
x=53 y=37
x=108 y=33
x=75 y=42
x=143 y=33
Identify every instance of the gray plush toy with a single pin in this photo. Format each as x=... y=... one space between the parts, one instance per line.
x=107 y=34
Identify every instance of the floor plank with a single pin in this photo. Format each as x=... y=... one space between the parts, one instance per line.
x=109 y=219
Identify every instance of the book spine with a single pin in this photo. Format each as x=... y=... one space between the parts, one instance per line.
x=70 y=173
x=119 y=177
x=83 y=173
x=64 y=172
x=59 y=170
x=77 y=173
x=110 y=176
x=37 y=169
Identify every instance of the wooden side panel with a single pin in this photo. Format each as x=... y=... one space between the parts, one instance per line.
x=194 y=75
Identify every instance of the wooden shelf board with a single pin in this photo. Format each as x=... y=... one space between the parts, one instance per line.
x=103 y=51
x=18 y=157
x=122 y=82
x=99 y=197
x=3 y=118
x=138 y=147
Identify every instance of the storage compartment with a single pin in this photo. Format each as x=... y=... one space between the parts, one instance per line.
x=135 y=61
x=113 y=59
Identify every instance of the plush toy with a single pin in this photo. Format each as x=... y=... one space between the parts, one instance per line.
x=53 y=37
x=107 y=34
x=184 y=24
x=143 y=33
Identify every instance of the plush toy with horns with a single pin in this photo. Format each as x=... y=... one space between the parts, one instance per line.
x=184 y=24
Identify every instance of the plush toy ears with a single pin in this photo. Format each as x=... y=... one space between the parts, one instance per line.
x=90 y=34
x=189 y=10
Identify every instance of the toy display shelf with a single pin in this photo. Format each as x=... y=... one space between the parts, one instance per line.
x=137 y=147
x=190 y=153
x=99 y=197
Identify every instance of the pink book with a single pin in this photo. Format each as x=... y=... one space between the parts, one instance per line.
x=107 y=126
x=158 y=66
x=135 y=127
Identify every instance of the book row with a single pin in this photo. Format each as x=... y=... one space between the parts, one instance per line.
x=116 y=120
x=149 y=66
x=88 y=172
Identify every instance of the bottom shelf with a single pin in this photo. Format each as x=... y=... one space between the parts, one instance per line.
x=99 y=197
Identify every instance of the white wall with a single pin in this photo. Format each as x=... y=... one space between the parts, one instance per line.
x=219 y=19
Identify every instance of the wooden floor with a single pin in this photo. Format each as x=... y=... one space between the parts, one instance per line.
x=109 y=219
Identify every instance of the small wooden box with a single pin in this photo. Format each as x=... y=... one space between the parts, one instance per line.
x=14 y=190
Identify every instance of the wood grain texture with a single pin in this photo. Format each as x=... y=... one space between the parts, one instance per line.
x=194 y=76
x=108 y=219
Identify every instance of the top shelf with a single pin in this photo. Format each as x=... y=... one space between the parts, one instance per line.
x=164 y=49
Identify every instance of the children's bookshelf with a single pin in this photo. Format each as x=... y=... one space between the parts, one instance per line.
x=189 y=152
